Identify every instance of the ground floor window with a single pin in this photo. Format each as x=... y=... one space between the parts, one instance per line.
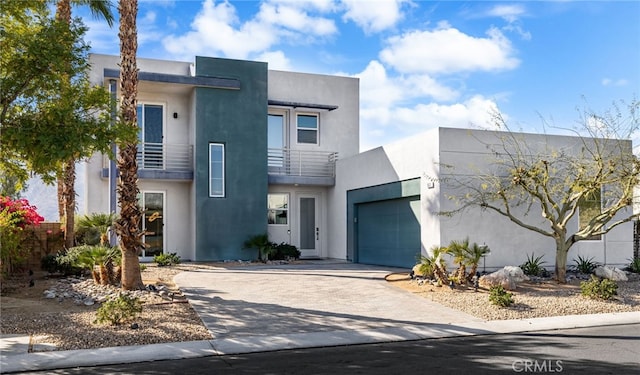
x=278 y=208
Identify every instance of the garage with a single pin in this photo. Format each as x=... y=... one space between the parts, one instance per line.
x=388 y=232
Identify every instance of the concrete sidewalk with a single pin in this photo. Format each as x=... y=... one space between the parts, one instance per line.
x=265 y=308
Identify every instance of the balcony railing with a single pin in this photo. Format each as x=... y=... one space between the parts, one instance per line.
x=287 y=162
x=169 y=157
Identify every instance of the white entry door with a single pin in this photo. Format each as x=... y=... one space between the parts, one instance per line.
x=309 y=228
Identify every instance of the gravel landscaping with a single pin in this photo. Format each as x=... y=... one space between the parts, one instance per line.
x=58 y=313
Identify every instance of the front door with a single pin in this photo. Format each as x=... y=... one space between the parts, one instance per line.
x=152 y=223
x=309 y=225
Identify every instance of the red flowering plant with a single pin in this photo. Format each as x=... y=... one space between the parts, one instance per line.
x=15 y=216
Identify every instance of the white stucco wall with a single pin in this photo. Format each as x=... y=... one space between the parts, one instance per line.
x=339 y=128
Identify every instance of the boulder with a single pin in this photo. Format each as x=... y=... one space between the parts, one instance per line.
x=517 y=273
x=611 y=273
x=500 y=277
x=416 y=271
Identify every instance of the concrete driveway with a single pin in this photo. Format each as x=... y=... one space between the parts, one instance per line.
x=318 y=301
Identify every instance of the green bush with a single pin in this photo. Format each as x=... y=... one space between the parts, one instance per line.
x=499 y=296
x=284 y=251
x=118 y=310
x=634 y=266
x=533 y=266
x=599 y=288
x=48 y=263
x=68 y=263
x=584 y=265
x=167 y=259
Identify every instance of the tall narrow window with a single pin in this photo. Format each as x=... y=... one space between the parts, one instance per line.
x=216 y=170
x=307 y=125
x=589 y=207
x=150 y=135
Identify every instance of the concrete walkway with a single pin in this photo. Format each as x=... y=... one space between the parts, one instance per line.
x=324 y=303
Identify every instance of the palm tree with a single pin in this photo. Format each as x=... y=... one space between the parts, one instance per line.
x=474 y=254
x=67 y=176
x=94 y=228
x=433 y=264
x=128 y=225
x=459 y=250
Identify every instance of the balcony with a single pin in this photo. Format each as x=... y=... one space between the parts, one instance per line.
x=162 y=161
x=301 y=167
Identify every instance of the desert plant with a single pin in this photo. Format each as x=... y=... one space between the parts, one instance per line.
x=599 y=288
x=533 y=265
x=475 y=252
x=93 y=229
x=262 y=244
x=433 y=264
x=118 y=310
x=100 y=260
x=459 y=251
x=584 y=265
x=634 y=266
x=67 y=261
x=167 y=259
x=284 y=251
x=499 y=296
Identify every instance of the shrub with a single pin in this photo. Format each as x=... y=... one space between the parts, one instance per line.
x=585 y=265
x=499 y=296
x=143 y=267
x=634 y=266
x=68 y=263
x=167 y=259
x=599 y=288
x=533 y=266
x=284 y=251
x=262 y=244
x=118 y=310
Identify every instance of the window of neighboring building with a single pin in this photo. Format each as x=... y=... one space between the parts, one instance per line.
x=216 y=170
x=278 y=208
x=589 y=206
x=307 y=125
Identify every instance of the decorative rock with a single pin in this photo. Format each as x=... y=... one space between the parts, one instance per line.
x=500 y=277
x=134 y=326
x=49 y=294
x=611 y=273
x=517 y=273
x=88 y=301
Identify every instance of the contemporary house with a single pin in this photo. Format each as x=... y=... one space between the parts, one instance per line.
x=230 y=149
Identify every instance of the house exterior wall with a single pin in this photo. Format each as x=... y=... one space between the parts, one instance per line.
x=339 y=128
x=424 y=156
x=237 y=119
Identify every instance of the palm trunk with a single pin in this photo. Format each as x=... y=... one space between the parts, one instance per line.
x=128 y=226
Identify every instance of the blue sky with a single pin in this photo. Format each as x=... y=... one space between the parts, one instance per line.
x=421 y=64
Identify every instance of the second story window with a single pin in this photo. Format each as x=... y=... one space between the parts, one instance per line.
x=150 y=135
x=307 y=126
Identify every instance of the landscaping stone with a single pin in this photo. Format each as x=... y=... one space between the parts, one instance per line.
x=611 y=273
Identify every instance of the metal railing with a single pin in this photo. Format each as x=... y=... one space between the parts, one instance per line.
x=287 y=162
x=170 y=157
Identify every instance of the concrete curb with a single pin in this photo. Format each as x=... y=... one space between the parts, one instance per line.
x=253 y=344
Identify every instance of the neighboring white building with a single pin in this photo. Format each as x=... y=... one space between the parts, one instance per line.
x=230 y=149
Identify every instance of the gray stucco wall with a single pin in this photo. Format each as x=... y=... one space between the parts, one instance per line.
x=237 y=119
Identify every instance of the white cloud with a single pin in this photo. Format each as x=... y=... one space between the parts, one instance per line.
x=217 y=30
x=373 y=16
x=510 y=12
x=448 y=50
x=276 y=59
x=103 y=39
x=614 y=82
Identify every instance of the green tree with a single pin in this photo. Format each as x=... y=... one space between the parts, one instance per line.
x=67 y=174
x=556 y=181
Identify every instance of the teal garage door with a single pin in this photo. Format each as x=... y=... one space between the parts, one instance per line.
x=388 y=232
